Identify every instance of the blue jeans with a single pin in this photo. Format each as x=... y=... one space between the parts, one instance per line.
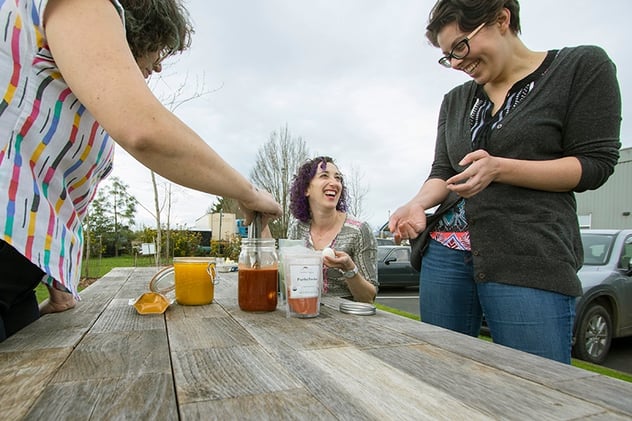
x=532 y=320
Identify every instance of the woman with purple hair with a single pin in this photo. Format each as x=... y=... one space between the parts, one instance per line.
x=318 y=202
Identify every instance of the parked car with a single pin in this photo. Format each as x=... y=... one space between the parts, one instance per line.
x=385 y=241
x=604 y=311
x=394 y=268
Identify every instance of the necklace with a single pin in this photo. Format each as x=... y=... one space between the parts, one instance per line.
x=324 y=238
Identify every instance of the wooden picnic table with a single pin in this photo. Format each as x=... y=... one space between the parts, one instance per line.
x=102 y=360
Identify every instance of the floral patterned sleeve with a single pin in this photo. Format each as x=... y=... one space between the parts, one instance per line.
x=366 y=257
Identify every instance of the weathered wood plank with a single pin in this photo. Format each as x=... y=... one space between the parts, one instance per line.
x=120 y=316
x=40 y=338
x=274 y=330
x=111 y=355
x=23 y=377
x=177 y=311
x=381 y=391
x=214 y=332
x=224 y=373
x=144 y=397
x=516 y=362
x=297 y=405
x=139 y=284
x=602 y=390
x=325 y=387
x=480 y=386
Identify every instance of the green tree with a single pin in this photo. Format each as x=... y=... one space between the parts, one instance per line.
x=111 y=217
x=185 y=243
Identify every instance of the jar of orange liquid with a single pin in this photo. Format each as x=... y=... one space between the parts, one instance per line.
x=194 y=280
x=257 y=282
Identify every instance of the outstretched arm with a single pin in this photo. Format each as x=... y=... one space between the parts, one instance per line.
x=88 y=43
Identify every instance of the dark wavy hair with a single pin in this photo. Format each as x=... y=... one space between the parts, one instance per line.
x=468 y=14
x=157 y=25
x=299 y=204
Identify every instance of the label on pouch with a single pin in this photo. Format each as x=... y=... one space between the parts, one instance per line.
x=304 y=279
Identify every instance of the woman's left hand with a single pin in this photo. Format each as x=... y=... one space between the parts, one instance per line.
x=483 y=169
x=341 y=261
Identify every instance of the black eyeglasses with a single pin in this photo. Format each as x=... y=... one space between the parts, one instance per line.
x=460 y=50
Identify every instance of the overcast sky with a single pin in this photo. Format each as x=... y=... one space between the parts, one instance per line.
x=356 y=79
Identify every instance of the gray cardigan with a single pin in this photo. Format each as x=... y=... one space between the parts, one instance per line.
x=530 y=237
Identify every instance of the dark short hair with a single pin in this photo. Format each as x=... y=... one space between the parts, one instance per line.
x=468 y=14
x=157 y=25
x=299 y=204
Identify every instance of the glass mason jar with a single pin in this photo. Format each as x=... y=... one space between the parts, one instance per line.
x=258 y=275
x=195 y=280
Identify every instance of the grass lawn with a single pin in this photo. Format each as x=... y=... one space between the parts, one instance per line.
x=575 y=362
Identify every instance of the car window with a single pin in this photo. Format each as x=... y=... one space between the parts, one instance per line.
x=402 y=255
x=626 y=254
x=382 y=252
x=597 y=248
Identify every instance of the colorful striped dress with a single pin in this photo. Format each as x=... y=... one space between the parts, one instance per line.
x=53 y=153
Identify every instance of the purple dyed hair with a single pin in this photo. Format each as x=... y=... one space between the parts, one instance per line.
x=299 y=205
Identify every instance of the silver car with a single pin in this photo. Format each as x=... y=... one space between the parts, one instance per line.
x=604 y=311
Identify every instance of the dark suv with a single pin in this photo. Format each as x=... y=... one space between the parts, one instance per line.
x=394 y=268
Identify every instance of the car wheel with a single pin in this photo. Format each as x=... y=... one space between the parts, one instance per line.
x=594 y=335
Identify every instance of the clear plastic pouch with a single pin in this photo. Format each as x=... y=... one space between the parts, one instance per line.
x=302 y=281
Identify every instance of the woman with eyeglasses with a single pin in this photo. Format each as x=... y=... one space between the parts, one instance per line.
x=72 y=74
x=318 y=202
x=516 y=142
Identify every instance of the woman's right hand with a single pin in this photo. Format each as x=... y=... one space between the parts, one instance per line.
x=407 y=222
x=410 y=219
x=264 y=203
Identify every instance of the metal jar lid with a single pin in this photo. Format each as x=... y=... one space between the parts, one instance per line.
x=359 y=309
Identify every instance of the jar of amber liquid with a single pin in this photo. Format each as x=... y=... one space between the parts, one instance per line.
x=194 y=280
x=257 y=284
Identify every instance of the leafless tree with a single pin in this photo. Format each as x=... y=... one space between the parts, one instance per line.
x=172 y=101
x=276 y=163
x=357 y=192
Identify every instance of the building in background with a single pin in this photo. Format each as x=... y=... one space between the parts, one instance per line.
x=610 y=206
x=222 y=226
